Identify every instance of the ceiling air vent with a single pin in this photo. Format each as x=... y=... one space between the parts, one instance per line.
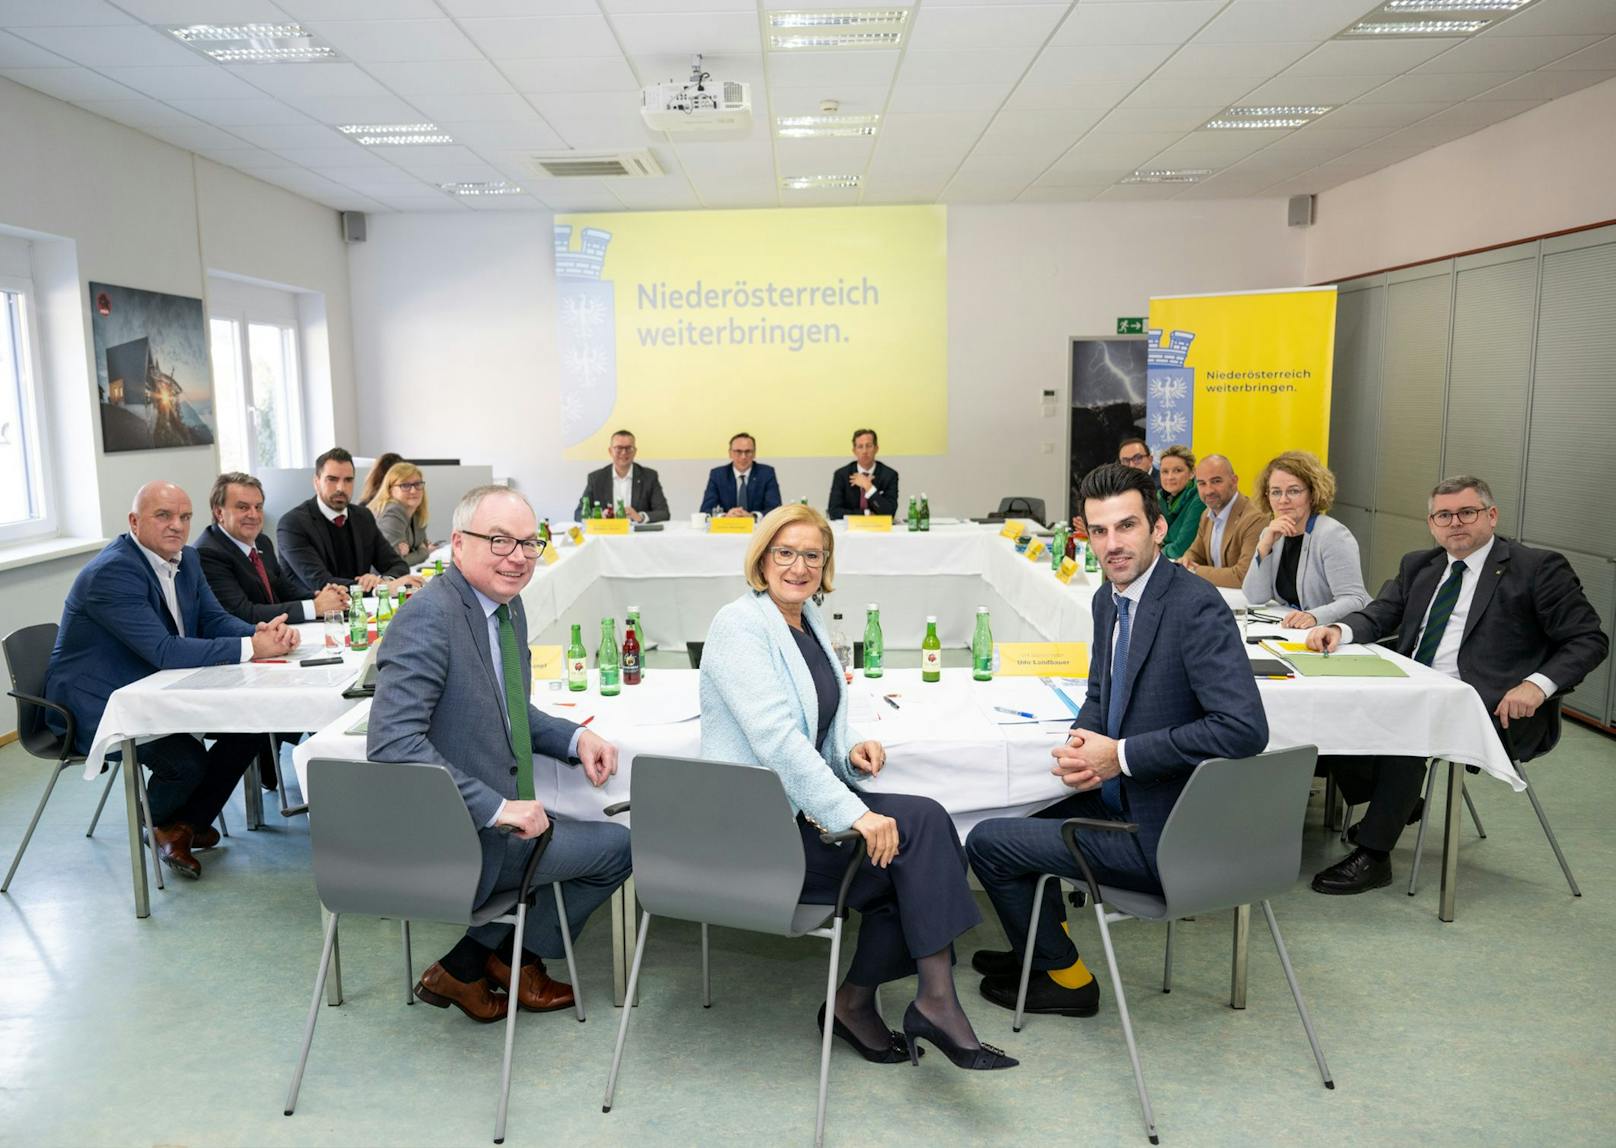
x=600 y=165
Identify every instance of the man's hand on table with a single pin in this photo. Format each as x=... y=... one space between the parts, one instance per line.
x=598 y=757
x=273 y=638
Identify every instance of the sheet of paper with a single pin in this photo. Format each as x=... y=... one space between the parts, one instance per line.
x=253 y=676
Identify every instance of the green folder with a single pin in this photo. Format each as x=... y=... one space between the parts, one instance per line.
x=1345 y=666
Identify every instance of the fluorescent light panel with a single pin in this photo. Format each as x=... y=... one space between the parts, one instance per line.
x=825 y=127
x=398 y=135
x=817 y=182
x=869 y=28
x=1168 y=175
x=492 y=187
x=1433 y=17
x=1454 y=5
x=254 y=43
x=1266 y=116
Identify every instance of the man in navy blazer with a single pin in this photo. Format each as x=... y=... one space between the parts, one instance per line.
x=140 y=606
x=1169 y=686
x=452 y=687
x=745 y=486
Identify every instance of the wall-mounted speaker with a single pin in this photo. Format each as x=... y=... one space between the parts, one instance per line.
x=1299 y=212
x=353 y=226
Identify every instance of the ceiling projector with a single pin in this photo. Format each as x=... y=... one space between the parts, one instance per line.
x=701 y=105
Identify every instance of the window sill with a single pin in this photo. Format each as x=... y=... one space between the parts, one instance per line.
x=32 y=552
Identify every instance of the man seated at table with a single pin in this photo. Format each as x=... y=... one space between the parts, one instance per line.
x=1227 y=537
x=452 y=689
x=863 y=486
x=637 y=488
x=332 y=539
x=745 y=486
x=140 y=606
x=239 y=560
x=1511 y=620
x=1169 y=686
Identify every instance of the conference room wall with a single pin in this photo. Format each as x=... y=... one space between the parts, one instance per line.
x=453 y=315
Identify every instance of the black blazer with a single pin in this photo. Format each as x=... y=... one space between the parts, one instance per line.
x=1529 y=616
x=311 y=557
x=844 y=496
x=236 y=584
x=645 y=492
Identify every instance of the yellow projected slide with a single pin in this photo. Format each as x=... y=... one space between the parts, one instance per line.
x=797 y=325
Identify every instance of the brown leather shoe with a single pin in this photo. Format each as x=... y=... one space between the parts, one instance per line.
x=537 y=992
x=204 y=837
x=174 y=848
x=476 y=999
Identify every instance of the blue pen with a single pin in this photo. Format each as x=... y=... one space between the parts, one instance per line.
x=1014 y=713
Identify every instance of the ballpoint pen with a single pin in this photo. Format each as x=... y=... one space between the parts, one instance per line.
x=1014 y=713
x=888 y=699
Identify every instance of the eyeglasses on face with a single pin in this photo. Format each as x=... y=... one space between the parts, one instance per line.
x=503 y=544
x=787 y=555
x=1133 y=459
x=1275 y=494
x=1465 y=515
x=414 y=484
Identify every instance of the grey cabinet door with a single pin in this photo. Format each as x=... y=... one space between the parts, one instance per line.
x=1598 y=577
x=1355 y=392
x=1413 y=376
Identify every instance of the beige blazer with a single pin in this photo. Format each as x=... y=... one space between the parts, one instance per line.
x=1246 y=522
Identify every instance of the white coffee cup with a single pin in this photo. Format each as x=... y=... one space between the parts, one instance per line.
x=698 y=520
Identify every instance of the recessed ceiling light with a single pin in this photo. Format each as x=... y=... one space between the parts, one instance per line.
x=254 y=43
x=1433 y=17
x=1454 y=5
x=1267 y=116
x=817 y=182
x=489 y=187
x=869 y=28
x=1416 y=27
x=821 y=127
x=1168 y=175
x=374 y=135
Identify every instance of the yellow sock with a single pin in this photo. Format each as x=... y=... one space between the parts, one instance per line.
x=1074 y=976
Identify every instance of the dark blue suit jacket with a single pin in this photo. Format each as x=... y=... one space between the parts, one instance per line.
x=1191 y=694
x=116 y=629
x=762 y=491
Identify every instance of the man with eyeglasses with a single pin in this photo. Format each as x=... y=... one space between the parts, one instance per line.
x=637 y=487
x=453 y=685
x=1135 y=452
x=1511 y=620
x=745 y=486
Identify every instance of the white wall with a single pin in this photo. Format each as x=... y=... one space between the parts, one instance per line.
x=454 y=315
x=1547 y=170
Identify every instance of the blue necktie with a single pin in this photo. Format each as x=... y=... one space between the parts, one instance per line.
x=1111 y=789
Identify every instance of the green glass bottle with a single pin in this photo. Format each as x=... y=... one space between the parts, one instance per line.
x=1057 y=549
x=1091 y=560
x=584 y=508
x=924 y=513
x=874 y=647
x=982 y=647
x=608 y=661
x=437 y=567
x=931 y=653
x=913 y=517
x=577 y=661
x=384 y=610
x=622 y=511
x=358 y=620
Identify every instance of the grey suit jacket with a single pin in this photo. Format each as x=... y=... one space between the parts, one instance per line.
x=1329 y=574
x=438 y=699
x=645 y=492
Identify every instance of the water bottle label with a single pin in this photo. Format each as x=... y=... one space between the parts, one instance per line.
x=631 y=663
x=578 y=667
x=931 y=660
x=608 y=677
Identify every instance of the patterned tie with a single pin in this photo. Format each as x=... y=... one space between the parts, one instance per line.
x=510 y=660
x=340 y=520
x=740 y=492
x=1441 y=610
x=1111 y=788
x=864 y=500
x=263 y=574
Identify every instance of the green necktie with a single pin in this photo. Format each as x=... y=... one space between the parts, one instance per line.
x=1441 y=610
x=510 y=660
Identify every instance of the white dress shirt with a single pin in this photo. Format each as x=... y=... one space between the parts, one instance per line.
x=1446 y=658
x=247 y=551
x=330 y=515
x=167 y=573
x=1135 y=593
x=623 y=489
x=869 y=474
x=1219 y=521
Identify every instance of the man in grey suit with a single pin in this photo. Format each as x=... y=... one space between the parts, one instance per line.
x=637 y=487
x=452 y=687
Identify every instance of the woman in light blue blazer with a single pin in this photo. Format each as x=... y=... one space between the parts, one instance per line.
x=773 y=694
x=1305 y=560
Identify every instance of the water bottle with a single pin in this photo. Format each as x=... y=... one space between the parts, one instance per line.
x=384 y=610
x=607 y=660
x=982 y=647
x=358 y=620
x=874 y=648
x=843 y=647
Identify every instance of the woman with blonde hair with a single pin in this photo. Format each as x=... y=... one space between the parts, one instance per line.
x=773 y=694
x=1305 y=559
x=401 y=513
x=378 y=471
x=1181 y=503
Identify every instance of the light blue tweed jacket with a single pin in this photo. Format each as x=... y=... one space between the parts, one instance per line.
x=759 y=707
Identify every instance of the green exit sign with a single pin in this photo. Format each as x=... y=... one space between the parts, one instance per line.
x=1131 y=325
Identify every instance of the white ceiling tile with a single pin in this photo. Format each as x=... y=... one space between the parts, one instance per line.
x=622 y=130
x=59 y=13
x=1225 y=186
x=1560 y=18
x=1005 y=65
x=1331 y=90
x=15 y=53
x=276 y=137
x=1204 y=61
x=441 y=78
x=193 y=136
x=103 y=46
x=920 y=130
x=905 y=167
x=1214 y=149
x=1131 y=192
x=898 y=194
x=486 y=137
x=820 y=197
x=1428 y=134
x=823 y=156
x=578 y=195
x=1506 y=53
x=360 y=109
x=821 y=69
x=78 y=84
x=246 y=158
x=1368 y=57
x=1156 y=22
x=1166 y=92
x=929 y=3
x=361 y=9
x=1133 y=62
x=689 y=32
x=542 y=37
x=586 y=104
x=201 y=81
x=745 y=67
x=947 y=97
x=1600 y=57
x=1419 y=87
x=344 y=155
x=735 y=195
x=490 y=108
x=139 y=113
x=437 y=202
x=475 y=169
x=370 y=180
x=1091 y=177
x=204 y=11
x=1044 y=134
x=241 y=113
x=473 y=8
x=1480 y=113
x=1356 y=114
x=590 y=74
x=982 y=189
x=1383 y=154
x=1057 y=194
x=866 y=99
x=1103 y=94
x=396 y=41
x=503 y=203
x=1545 y=84
x=1158 y=119
x=1107 y=150
x=1267 y=21
x=289 y=82
x=752 y=161
x=1020 y=168
x=982 y=28
x=1325 y=136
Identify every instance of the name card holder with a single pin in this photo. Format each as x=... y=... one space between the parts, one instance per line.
x=547 y=662
x=723 y=524
x=1068 y=567
x=1011 y=530
x=606 y=526
x=870 y=523
x=1035 y=550
x=1043 y=659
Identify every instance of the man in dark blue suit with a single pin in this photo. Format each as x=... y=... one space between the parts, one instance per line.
x=140 y=606
x=745 y=486
x=1169 y=686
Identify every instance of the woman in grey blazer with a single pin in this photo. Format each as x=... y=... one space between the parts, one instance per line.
x=400 y=510
x=1305 y=560
x=773 y=694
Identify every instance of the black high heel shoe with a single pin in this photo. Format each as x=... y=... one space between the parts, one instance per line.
x=896 y=1051
x=916 y=1025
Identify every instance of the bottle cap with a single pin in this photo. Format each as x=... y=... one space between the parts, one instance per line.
x=981 y=609
x=837 y=617
x=872 y=606
x=931 y=619
x=633 y=609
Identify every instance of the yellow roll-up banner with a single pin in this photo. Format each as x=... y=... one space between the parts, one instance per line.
x=1242 y=375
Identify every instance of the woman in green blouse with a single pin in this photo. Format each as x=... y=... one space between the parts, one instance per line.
x=1181 y=504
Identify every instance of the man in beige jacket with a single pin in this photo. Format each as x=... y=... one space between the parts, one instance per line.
x=1227 y=536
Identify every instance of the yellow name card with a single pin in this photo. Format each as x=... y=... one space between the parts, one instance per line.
x=723 y=524
x=552 y=555
x=1068 y=567
x=1035 y=550
x=606 y=525
x=1012 y=531
x=1044 y=659
x=874 y=523
x=576 y=535
x=548 y=662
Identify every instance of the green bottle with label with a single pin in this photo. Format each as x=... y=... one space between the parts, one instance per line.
x=924 y=513
x=913 y=516
x=608 y=661
x=1057 y=549
x=982 y=647
x=384 y=610
x=577 y=661
x=874 y=647
x=931 y=653
x=358 y=620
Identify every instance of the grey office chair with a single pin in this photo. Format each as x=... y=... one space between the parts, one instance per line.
x=717 y=843
x=1234 y=838
x=1430 y=764
x=366 y=862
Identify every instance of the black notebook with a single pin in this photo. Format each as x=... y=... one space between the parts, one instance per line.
x=1271 y=668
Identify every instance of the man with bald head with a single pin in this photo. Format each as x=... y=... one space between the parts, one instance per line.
x=1227 y=537
x=140 y=606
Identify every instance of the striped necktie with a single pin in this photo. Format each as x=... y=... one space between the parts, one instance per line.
x=1111 y=788
x=1441 y=610
x=510 y=660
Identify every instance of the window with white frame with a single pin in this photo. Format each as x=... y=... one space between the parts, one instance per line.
x=257 y=375
x=26 y=509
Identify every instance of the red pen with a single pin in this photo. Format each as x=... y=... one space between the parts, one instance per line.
x=587 y=720
x=270 y=661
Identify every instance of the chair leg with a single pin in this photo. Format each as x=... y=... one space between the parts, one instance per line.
x=1296 y=991
x=28 y=834
x=1346 y=819
x=224 y=826
x=1329 y=800
x=1543 y=820
x=824 y=1040
x=1167 y=960
x=1474 y=816
x=1127 y=1023
x=566 y=947
x=1026 y=957
x=706 y=970
x=628 y=1010
x=112 y=778
x=151 y=829
x=314 y=1012
x=409 y=965
x=510 y=1021
x=1425 y=821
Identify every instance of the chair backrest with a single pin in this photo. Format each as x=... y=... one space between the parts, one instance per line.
x=1235 y=835
x=28 y=652
x=693 y=652
x=392 y=840
x=1016 y=505
x=715 y=842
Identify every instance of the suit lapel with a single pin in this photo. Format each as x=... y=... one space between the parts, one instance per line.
x=1420 y=593
x=1229 y=551
x=1486 y=582
x=1143 y=626
x=801 y=678
x=477 y=623
x=154 y=588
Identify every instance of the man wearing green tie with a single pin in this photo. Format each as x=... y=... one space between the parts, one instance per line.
x=1510 y=620
x=452 y=689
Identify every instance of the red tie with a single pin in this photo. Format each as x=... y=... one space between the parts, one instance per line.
x=263 y=575
x=339 y=520
x=864 y=499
